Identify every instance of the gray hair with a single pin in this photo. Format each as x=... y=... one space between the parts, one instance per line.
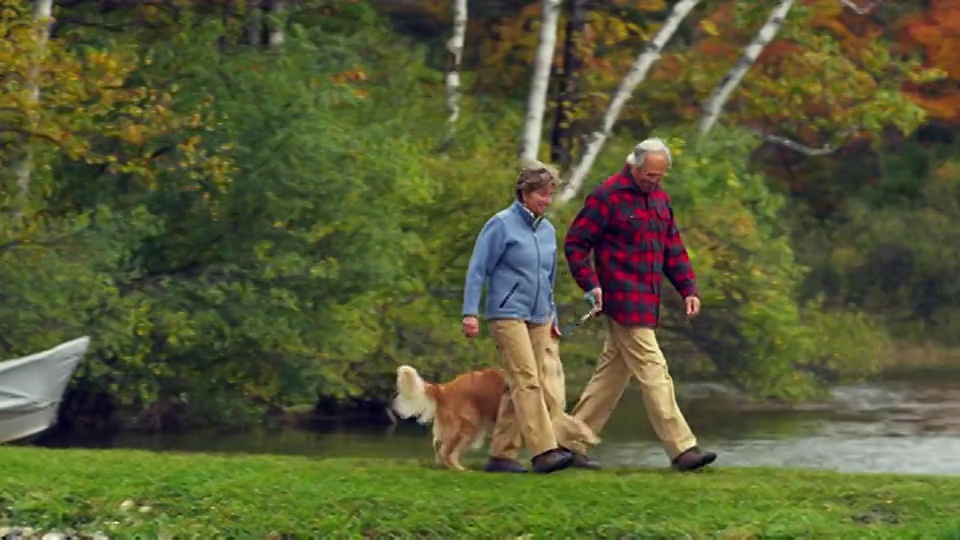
x=653 y=145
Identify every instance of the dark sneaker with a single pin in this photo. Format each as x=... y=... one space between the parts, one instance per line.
x=693 y=459
x=583 y=462
x=504 y=465
x=552 y=460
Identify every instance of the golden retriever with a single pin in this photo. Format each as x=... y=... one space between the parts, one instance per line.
x=463 y=411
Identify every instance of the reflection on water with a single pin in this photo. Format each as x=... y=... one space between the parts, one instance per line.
x=889 y=427
x=935 y=455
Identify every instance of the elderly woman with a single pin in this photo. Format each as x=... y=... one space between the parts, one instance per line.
x=515 y=255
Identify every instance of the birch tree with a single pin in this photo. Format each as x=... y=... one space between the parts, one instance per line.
x=454 y=59
x=264 y=22
x=861 y=10
x=277 y=36
x=722 y=91
x=540 y=80
x=42 y=18
x=714 y=105
x=636 y=75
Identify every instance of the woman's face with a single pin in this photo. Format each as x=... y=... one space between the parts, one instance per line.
x=538 y=201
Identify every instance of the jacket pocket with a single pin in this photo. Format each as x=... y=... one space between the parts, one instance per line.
x=661 y=219
x=509 y=294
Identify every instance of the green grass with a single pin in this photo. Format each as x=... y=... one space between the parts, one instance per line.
x=213 y=496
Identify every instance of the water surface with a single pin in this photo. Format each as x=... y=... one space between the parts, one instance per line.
x=904 y=427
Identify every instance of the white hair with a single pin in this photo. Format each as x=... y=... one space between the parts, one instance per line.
x=653 y=145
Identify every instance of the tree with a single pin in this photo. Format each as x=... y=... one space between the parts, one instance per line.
x=63 y=257
x=636 y=75
x=42 y=18
x=836 y=85
x=936 y=30
x=540 y=80
x=721 y=93
x=568 y=85
x=454 y=61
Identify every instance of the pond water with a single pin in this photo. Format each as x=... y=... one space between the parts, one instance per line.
x=904 y=427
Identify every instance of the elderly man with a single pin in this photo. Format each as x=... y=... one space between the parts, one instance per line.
x=629 y=225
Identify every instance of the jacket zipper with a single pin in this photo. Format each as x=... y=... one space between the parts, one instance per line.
x=536 y=242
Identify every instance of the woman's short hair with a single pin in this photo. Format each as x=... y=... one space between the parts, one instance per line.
x=534 y=177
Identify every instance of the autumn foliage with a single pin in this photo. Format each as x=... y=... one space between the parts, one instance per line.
x=936 y=31
x=89 y=109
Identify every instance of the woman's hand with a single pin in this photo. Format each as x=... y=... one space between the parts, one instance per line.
x=471 y=326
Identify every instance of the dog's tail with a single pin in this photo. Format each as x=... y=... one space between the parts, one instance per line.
x=413 y=398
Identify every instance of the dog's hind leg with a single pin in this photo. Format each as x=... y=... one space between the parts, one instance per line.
x=470 y=437
x=450 y=452
x=469 y=434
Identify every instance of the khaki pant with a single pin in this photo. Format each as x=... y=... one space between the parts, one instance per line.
x=634 y=350
x=533 y=409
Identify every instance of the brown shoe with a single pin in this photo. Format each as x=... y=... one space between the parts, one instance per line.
x=693 y=459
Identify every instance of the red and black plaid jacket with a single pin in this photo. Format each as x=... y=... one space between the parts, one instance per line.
x=635 y=242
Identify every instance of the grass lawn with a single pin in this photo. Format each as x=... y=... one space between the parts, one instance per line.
x=125 y=494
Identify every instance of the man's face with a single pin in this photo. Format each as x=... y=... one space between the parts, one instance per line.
x=648 y=175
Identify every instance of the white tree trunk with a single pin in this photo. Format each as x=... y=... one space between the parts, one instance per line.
x=636 y=75
x=277 y=35
x=721 y=93
x=824 y=150
x=454 y=59
x=43 y=17
x=861 y=10
x=540 y=81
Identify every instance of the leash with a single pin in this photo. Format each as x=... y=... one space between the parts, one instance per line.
x=590 y=299
x=586 y=317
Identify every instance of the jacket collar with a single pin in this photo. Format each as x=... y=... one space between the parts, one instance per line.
x=526 y=215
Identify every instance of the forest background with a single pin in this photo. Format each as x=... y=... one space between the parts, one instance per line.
x=256 y=205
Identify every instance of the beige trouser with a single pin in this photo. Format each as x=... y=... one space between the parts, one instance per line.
x=634 y=350
x=533 y=409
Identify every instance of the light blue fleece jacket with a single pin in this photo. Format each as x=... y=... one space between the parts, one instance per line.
x=515 y=256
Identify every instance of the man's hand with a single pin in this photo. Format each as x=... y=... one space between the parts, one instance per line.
x=693 y=306
x=595 y=299
x=471 y=326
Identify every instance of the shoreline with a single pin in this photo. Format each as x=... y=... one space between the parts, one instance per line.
x=374 y=414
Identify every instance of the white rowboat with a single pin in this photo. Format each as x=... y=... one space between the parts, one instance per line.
x=32 y=387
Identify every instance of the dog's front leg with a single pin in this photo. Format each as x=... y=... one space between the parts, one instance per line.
x=437 y=441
